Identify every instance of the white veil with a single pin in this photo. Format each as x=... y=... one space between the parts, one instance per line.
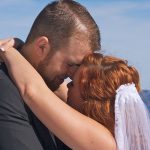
x=132 y=122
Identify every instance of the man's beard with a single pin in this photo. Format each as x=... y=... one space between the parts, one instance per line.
x=51 y=83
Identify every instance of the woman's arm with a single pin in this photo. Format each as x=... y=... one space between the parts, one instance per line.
x=74 y=129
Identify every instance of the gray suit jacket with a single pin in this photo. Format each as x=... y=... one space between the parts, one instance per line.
x=19 y=127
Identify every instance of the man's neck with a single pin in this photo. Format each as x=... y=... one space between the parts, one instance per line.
x=26 y=51
x=23 y=51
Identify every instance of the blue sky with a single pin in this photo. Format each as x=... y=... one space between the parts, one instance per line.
x=124 y=26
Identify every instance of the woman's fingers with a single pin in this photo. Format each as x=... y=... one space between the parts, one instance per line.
x=2 y=41
x=11 y=42
x=2 y=49
x=6 y=44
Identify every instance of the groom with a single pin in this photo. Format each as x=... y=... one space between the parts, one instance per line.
x=61 y=35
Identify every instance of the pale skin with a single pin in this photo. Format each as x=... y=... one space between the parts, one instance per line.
x=74 y=129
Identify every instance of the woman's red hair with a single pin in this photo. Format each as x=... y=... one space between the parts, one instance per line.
x=100 y=77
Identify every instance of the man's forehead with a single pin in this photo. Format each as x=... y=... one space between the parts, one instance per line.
x=76 y=59
x=76 y=51
x=79 y=43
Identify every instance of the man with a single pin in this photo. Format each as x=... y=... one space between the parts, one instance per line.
x=62 y=34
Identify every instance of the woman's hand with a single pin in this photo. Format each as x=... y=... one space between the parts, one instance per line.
x=5 y=44
x=11 y=42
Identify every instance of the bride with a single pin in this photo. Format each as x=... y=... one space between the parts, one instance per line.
x=106 y=110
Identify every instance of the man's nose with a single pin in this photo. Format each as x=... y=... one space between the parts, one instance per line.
x=72 y=71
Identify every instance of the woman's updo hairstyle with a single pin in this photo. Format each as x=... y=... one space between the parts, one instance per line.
x=100 y=77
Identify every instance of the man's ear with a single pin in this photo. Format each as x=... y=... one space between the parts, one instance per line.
x=42 y=47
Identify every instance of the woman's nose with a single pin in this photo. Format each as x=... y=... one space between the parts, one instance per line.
x=72 y=71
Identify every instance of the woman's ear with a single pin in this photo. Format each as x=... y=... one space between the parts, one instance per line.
x=42 y=47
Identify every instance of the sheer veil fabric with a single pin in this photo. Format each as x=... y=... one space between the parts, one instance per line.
x=132 y=121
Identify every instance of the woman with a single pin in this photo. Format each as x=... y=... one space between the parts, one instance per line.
x=93 y=93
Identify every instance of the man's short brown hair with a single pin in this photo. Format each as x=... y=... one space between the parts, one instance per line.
x=60 y=20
